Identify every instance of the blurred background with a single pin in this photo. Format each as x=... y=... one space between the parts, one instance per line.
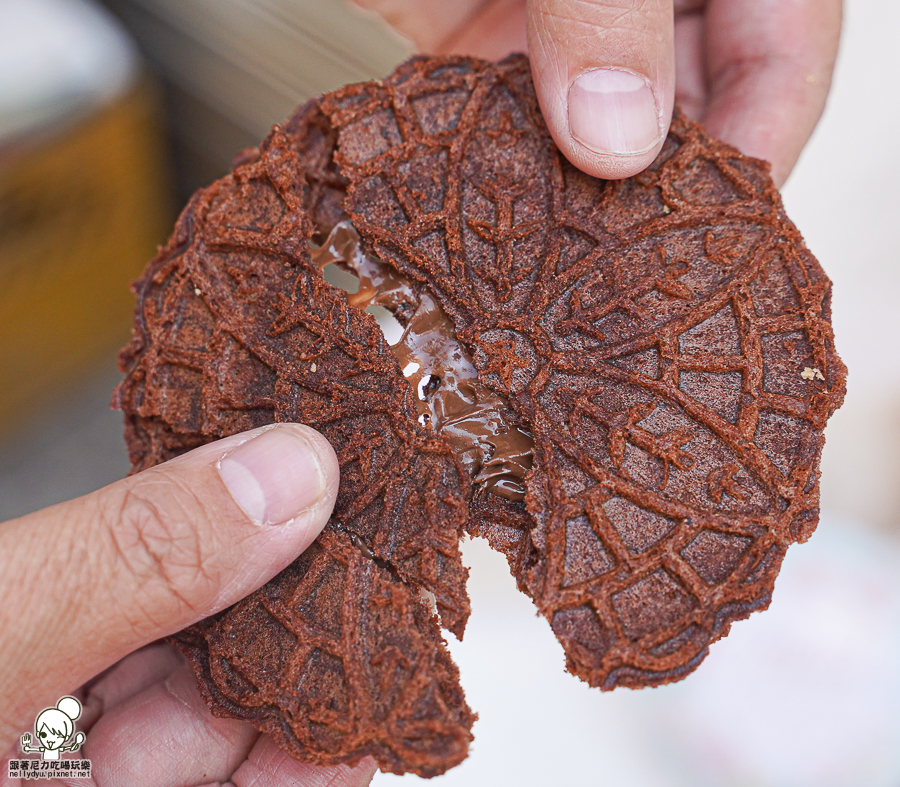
x=112 y=114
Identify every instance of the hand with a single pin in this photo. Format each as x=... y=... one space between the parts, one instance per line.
x=88 y=582
x=755 y=72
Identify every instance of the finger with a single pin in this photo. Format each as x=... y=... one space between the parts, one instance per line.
x=270 y=766
x=427 y=23
x=131 y=675
x=165 y=735
x=496 y=30
x=95 y=578
x=690 y=64
x=604 y=72
x=769 y=65
x=481 y=28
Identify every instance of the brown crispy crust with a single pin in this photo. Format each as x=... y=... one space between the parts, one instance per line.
x=235 y=329
x=365 y=679
x=653 y=333
x=660 y=336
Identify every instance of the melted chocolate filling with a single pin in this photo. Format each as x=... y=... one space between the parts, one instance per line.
x=475 y=421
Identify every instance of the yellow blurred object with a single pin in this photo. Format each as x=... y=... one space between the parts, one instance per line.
x=80 y=215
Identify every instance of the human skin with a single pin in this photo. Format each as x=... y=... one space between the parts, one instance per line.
x=89 y=585
x=755 y=72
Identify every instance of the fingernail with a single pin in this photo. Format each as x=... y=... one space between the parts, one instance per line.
x=274 y=477
x=613 y=111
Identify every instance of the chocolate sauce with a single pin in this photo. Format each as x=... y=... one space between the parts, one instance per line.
x=449 y=398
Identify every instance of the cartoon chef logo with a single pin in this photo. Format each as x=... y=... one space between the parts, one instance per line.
x=53 y=728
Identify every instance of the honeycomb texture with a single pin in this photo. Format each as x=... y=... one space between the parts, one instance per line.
x=666 y=339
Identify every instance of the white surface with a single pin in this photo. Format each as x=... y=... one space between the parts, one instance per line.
x=58 y=57
x=807 y=693
x=844 y=197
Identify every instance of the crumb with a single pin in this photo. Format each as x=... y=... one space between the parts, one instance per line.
x=812 y=374
x=197 y=291
x=312 y=367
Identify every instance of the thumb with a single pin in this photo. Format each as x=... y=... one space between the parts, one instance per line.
x=90 y=580
x=604 y=71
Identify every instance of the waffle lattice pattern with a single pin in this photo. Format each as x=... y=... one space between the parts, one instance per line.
x=666 y=339
x=236 y=329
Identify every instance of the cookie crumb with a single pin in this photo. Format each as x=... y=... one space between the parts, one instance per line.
x=197 y=291
x=313 y=367
x=812 y=374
